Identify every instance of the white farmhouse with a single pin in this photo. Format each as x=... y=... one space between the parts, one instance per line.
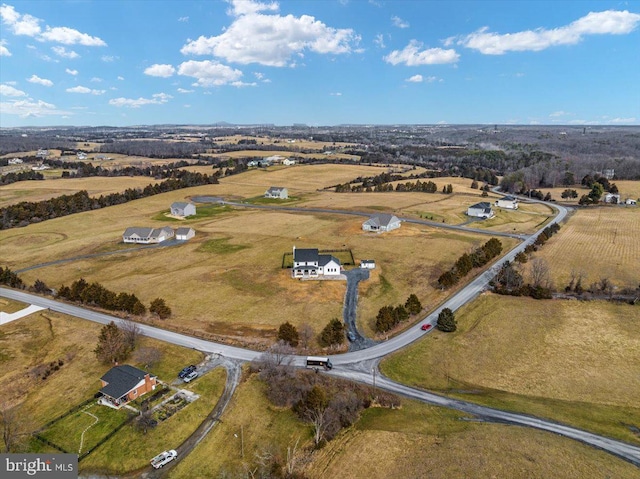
x=381 y=222
x=277 y=192
x=481 y=210
x=508 y=202
x=183 y=209
x=308 y=263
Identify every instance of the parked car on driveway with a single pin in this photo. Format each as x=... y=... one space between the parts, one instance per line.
x=187 y=370
x=163 y=458
x=190 y=377
x=351 y=336
x=426 y=327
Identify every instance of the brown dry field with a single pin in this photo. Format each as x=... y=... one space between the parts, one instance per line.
x=297 y=143
x=47 y=336
x=601 y=242
x=11 y=306
x=480 y=450
x=283 y=153
x=50 y=188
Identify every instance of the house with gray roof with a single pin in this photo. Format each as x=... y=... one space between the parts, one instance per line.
x=125 y=383
x=309 y=263
x=147 y=235
x=381 y=222
x=183 y=209
x=509 y=202
x=184 y=234
x=277 y=192
x=481 y=210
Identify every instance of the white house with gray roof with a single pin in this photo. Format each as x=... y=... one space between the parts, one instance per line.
x=183 y=209
x=481 y=210
x=509 y=202
x=147 y=235
x=381 y=222
x=277 y=192
x=309 y=263
x=184 y=234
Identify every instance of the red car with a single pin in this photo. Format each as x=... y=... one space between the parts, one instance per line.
x=425 y=327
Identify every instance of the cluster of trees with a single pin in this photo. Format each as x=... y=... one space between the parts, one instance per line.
x=115 y=344
x=389 y=316
x=27 y=212
x=326 y=403
x=467 y=262
x=423 y=187
x=94 y=294
x=333 y=334
x=157 y=148
x=159 y=306
x=510 y=280
x=10 y=278
x=20 y=176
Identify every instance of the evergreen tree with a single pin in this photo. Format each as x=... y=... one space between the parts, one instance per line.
x=288 y=333
x=413 y=304
x=447 y=321
x=159 y=306
x=112 y=344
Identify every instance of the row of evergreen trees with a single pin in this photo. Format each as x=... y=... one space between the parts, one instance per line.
x=467 y=262
x=94 y=294
x=389 y=316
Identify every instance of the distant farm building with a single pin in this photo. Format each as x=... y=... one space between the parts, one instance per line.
x=288 y=162
x=147 y=235
x=631 y=201
x=277 y=192
x=382 y=222
x=367 y=264
x=481 y=210
x=183 y=209
x=612 y=198
x=82 y=156
x=184 y=234
x=308 y=263
x=15 y=161
x=508 y=202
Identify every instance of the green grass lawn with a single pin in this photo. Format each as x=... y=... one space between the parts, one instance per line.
x=131 y=449
x=221 y=246
x=202 y=212
x=67 y=432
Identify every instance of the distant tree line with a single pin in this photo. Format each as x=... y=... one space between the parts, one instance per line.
x=467 y=262
x=20 y=176
x=26 y=212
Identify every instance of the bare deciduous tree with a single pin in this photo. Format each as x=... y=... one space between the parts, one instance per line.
x=306 y=334
x=148 y=356
x=131 y=332
x=540 y=273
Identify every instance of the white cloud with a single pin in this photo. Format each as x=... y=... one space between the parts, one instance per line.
x=379 y=40
x=420 y=79
x=622 y=121
x=336 y=94
x=159 y=70
x=7 y=90
x=85 y=90
x=157 y=99
x=559 y=113
x=260 y=76
x=71 y=72
x=210 y=73
x=183 y=19
x=28 y=25
x=64 y=53
x=108 y=58
x=411 y=55
x=30 y=108
x=96 y=80
x=4 y=51
x=40 y=81
x=255 y=37
x=609 y=22
x=187 y=106
x=399 y=22
x=120 y=78
x=182 y=90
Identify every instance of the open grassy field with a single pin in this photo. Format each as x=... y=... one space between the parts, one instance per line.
x=30 y=344
x=11 y=306
x=570 y=361
x=251 y=419
x=600 y=242
x=284 y=153
x=285 y=142
x=130 y=449
x=237 y=255
x=50 y=188
x=416 y=440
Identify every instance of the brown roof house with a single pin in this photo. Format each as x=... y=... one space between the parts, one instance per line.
x=125 y=383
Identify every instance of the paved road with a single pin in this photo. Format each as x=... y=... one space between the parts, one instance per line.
x=362 y=365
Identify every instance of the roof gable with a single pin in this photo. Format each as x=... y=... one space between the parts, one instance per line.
x=121 y=379
x=305 y=255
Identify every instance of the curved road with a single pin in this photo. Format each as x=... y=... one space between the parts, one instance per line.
x=353 y=363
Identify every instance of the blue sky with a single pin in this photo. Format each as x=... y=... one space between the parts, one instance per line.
x=321 y=62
